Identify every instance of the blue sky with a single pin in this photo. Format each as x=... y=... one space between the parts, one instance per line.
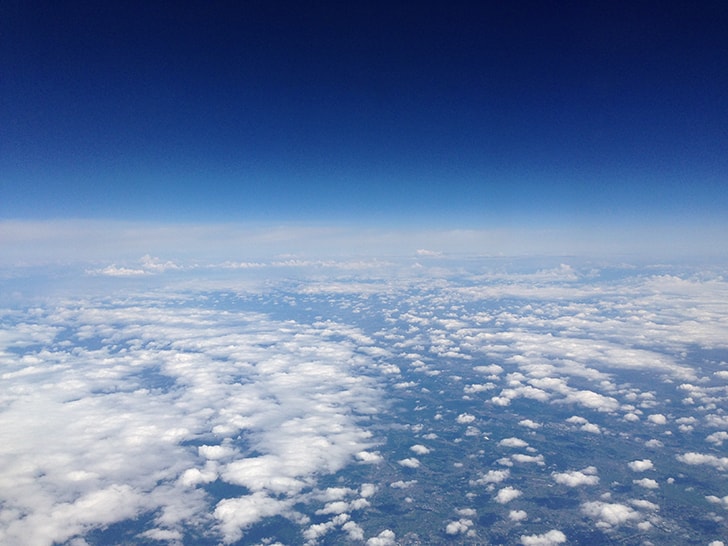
x=456 y=114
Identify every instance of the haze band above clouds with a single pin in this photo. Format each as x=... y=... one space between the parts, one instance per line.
x=71 y=241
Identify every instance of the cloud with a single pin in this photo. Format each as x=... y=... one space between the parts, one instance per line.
x=420 y=449
x=368 y=490
x=576 y=478
x=465 y=418
x=657 y=419
x=401 y=484
x=353 y=530
x=591 y=428
x=608 y=515
x=492 y=476
x=640 y=465
x=517 y=515
x=647 y=483
x=723 y=501
x=110 y=446
x=410 y=462
x=592 y=400
x=491 y=369
x=467 y=512
x=521 y=458
x=458 y=527
x=369 y=456
x=717 y=438
x=114 y=271
x=528 y=423
x=694 y=458
x=235 y=514
x=512 y=442
x=549 y=538
x=507 y=494
x=645 y=504
x=385 y=538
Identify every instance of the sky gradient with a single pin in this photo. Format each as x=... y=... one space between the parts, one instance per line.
x=455 y=114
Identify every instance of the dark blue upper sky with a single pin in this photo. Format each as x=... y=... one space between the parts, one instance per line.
x=454 y=112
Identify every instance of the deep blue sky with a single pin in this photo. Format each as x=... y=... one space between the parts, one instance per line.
x=459 y=112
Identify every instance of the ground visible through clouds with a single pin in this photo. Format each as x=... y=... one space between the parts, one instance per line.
x=365 y=402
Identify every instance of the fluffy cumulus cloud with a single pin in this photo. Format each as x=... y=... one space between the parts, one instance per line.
x=113 y=418
x=517 y=515
x=575 y=478
x=419 y=449
x=513 y=442
x=458 y=527
x=723 y=501
x=694 y=458
x=529 y=423
x=492 y=476
x=409 y=462
x=554 y=536
x=647 y=483
x=608 y=515
x=385 y=538
x=465 y=418
x=507 y=494
x=717 y=438
x=640 y=465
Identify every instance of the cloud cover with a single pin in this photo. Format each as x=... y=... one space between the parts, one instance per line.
x=135 y=407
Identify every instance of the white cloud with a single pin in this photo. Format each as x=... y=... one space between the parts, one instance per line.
x=640 y=465
x=385 y=538
x=369 y=456
x=465 y=418
x=575 y=478
x=507 y=494
x=368 y=490
x=420 y=449
x=717 y=438
x=521 y=458
x=592 y=400
x=458 y=527
x=336 y=507
x=647 y=483
x=645 y=505
x=528 y=423
x=466 y=512
x=478 y=387
x=235 y=514
x=609 y=514
x=491 y=369
x=410 y=462
x=492 y=476
x=513 y=442
x=110 y=448
x=694 y=458
x=723 y=501
x=591 y=428
x=549 y=538
x=657 y=419
x=401 y=484
x=353 y=530
x=517 y=515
